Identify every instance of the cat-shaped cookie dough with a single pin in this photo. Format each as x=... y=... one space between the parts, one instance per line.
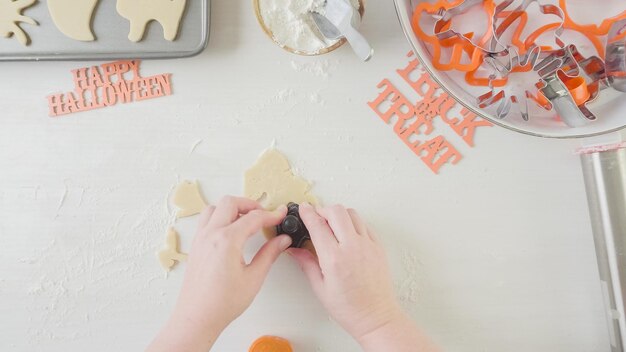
x=141 y=12
x=73 y=17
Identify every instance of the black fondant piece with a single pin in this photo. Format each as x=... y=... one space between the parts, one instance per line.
x=293 y=226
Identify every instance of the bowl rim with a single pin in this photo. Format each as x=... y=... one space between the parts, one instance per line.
x=326 y=50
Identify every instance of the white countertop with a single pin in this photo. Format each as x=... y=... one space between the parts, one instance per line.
x=494 y=254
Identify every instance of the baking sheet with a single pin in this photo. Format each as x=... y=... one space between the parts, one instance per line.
x=111 y=31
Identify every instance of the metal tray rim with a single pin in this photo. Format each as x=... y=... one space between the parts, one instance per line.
x=205 y=34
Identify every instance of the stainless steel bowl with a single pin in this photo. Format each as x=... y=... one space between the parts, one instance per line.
x=611 y=110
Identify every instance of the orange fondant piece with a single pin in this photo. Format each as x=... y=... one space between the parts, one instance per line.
x=270 y=344
x=106 y=85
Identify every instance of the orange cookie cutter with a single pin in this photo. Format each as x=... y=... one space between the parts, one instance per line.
x=460 y=46
x=591 y=29
x=445 y=37
x=577 y=87
x=522 y=56
x=510 y=17
x=595 y=41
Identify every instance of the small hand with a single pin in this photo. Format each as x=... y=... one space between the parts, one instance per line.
x=219 y=285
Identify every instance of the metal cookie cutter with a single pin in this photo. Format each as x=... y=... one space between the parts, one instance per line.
x=533 y=52
x=293 y=226
x=503 y=65
x=505 y=103
x=444 y=31
x=569 y=81
x=459 y=48
x=571 y=111
x=616 y=56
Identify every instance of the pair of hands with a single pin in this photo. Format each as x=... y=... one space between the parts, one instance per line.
x=350 y=276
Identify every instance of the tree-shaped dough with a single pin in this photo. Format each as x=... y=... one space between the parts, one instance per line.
x=11 y=17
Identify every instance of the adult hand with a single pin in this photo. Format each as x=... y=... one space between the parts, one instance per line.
x=351 y=278
x=219 y=285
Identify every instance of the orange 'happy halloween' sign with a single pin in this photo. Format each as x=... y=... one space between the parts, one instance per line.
x=106 y=85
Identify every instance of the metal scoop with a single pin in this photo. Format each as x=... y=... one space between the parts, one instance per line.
x=339 y=21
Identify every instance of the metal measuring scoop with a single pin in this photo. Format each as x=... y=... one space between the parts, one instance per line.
x=616 y=56
x=338 y=21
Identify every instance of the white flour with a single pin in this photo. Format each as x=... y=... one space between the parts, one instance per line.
x=292 y=26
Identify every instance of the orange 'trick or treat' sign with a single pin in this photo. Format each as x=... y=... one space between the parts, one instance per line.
x=270 y=344
x=106 y=85
x=414 y=120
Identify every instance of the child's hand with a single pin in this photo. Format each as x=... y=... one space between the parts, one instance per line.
x=219 y=285
x=353 y=281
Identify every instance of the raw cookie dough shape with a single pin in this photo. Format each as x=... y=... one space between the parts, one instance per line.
x=272 y=182
x=11 y=17
x=141 y=12
x=170 y=254
x=73 y=17
x=188 y=199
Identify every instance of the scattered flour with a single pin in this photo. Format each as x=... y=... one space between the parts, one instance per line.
x=408 y=288
x=284 y=95
x=319 y=68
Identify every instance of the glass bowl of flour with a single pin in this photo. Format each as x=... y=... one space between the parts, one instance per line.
x=290 y=25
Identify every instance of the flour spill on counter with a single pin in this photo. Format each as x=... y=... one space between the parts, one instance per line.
x=408 y=288
x=76 y=277
x=282 y=103
x=318 y=68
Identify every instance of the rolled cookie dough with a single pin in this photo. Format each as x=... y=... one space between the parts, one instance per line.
x=141 y=12
x=188 y=199
x=170 y=253
x=73 y=17
x=272 y=182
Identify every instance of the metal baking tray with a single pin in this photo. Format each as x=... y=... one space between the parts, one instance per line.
x=111 y=31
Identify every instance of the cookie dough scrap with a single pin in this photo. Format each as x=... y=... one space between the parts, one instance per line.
x=73 y=17
x=272 y=182
x=170 y=254
x=188 y=199
x=11 y=17
x=168 y=13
